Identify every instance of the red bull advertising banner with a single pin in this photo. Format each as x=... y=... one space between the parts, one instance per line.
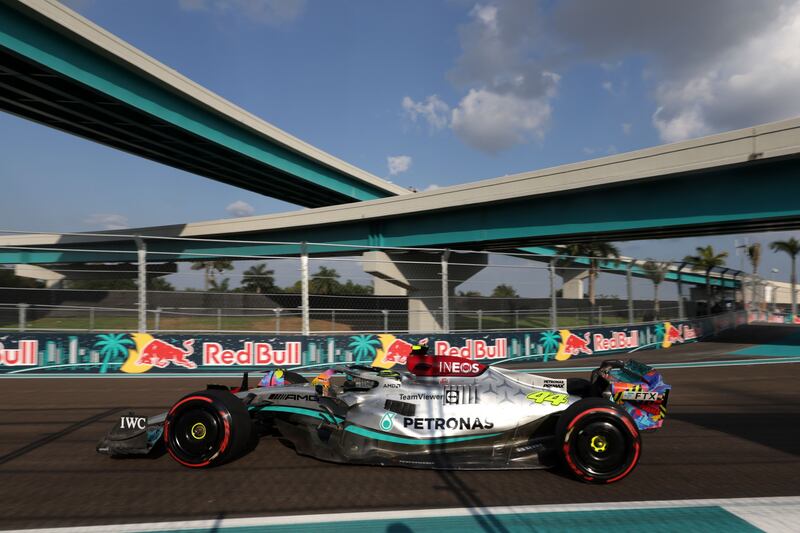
x=116 y=353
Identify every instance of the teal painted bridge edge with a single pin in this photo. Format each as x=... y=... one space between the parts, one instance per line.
x=695 y=519
x=40 y=44
x=627 y=207
x=135 y=354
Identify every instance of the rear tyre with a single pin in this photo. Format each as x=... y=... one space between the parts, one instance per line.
x=598 y=441
x=207 y=428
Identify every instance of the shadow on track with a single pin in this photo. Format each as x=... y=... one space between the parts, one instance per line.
x=778 y=431
x=57 y=435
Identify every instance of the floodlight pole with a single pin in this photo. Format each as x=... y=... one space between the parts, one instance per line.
x=680 y=291
x=629 y=282
x=141 y=254
x=445 y=293
x=304 y=287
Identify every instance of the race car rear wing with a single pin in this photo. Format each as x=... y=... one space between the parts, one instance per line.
x=638 y=388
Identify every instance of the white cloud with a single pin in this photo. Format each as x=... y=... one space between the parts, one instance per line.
x=270 y=12
x=627 y=127
x=107 y=221
x=240 y=208
x=492 y=122
x=433 y=110
x=608 y=86
x=398 y=164
x=431 y=187
x=756 y=81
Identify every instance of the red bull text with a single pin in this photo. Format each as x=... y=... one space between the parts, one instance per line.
x=252 y=354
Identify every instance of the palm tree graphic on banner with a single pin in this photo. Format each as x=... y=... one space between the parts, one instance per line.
x=550 y=341
x=364 y=347
x=113 y=346
x=659 y=331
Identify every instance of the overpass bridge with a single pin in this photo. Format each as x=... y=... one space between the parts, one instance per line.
x=59 y=69
x=739 y=181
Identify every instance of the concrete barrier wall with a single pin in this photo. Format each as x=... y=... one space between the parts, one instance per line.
x=131 y=354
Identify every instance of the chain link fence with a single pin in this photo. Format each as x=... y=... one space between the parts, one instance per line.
x=375 y=290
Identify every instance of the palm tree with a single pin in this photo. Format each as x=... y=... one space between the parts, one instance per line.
x=791 y=247
x=259 y=279
x=754 y=254
x=223 y=285
x=324 y=281
x=706 y=259
x=596 y=252
x=656 y=271
x=218 y=265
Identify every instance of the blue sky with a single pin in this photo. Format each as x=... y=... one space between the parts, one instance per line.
x=454 y=90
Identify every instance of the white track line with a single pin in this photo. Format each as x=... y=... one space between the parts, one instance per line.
x=771 y=514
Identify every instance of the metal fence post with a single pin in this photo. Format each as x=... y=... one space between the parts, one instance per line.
x=23 y=309
x=141 y=254
x=157 y=319
x=553 y=311
x=306 y=328
x=600 y=314
x=480 y=319
x=445 y=293
x=680 y=292
x=385 y=320
x=629 y=283
x=277 y=320
x=333 y=319
x=91 y=319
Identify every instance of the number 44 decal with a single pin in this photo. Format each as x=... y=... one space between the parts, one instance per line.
x=553 y=398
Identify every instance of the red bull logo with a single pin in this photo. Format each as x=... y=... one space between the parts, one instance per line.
x=672 y=335
x=24 y=355
x=572 y=345
x=398 y=351
x=252 y=354
x=474 y=349
x=618 y=340
x=160 y=354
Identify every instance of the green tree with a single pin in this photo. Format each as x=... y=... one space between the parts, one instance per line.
x=223 y=285
x=211 y=268
x=159 y=284
x=504 y=291
x=259 y=279
x=324 y=281
x=470 y=294
x=706 y=259
x=101 y=284
x=754 y=255
x=791 y=248
x=597 y=253
x=351 y=288
x=656 y=272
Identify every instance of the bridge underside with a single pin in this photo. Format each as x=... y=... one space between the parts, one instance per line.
x=53 y=77
x=725 y=200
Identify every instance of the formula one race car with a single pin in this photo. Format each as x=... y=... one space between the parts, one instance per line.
x=437 y=412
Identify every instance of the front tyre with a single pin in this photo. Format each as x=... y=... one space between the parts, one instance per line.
x=598 y=441
x=207 y=428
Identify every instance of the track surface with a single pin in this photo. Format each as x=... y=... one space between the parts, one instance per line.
x=730 y=432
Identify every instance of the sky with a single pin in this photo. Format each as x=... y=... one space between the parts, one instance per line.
x=424 y=93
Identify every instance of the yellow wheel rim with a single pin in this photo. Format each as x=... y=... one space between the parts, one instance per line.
x=199 y=431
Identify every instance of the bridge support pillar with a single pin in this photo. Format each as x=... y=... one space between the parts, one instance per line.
x=572 y=278
x=418 y=275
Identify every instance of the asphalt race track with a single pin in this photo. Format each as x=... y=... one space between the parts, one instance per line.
x=731 y=431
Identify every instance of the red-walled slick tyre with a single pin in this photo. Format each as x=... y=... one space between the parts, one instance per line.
x=598 y=441
x=207 y=428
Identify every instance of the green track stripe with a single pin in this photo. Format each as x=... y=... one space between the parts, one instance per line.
x=364 y=432
x=711 y=518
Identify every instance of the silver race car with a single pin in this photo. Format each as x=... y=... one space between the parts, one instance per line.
x=437 y=412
